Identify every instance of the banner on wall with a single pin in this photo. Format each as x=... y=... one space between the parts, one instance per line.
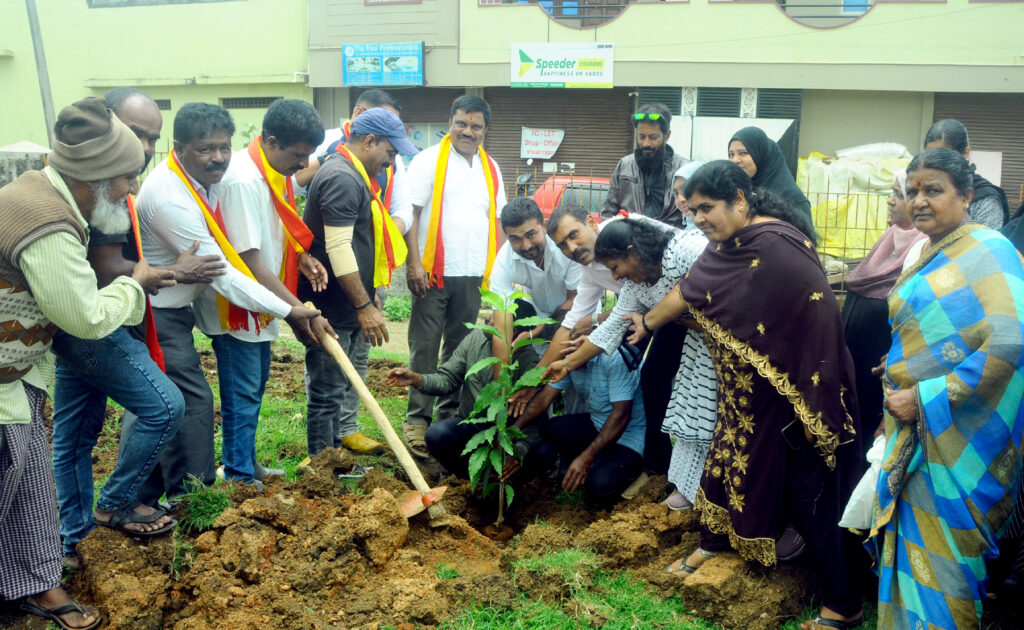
x=547 y=65
x=398 y=63
x=540 y=143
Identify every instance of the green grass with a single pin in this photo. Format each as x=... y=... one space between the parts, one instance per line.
x=572 y=566
x=398 y=308
x=201 y=505
x=185 y=554
x=445 y=572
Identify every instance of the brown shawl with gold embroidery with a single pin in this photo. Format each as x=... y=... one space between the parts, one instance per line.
x=774 y=328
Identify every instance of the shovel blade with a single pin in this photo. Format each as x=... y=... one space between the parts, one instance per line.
x=412 y=503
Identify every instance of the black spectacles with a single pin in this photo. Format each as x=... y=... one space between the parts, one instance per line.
x=647 y=116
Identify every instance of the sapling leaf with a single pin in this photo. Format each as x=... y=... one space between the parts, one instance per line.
x=486 y=396
x=492 y=299
x=489 y=487
x=516 y=433
x=484 y=435
x=476 y=464
x=487 y=328
x=482 y=364
x=517 y=295
x=509 y=493
x=506 y=442
x=530 y=378
x=497 y=460
x=522 y=343
x=533 y=321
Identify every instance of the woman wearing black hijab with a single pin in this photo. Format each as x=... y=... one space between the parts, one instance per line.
x=762 y=159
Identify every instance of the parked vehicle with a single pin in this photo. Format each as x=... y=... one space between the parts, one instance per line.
x=588 y=192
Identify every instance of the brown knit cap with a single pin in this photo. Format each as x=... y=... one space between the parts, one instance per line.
x=91 y=144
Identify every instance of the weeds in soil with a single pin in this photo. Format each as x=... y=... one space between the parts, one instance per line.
x=398 y=308
x=351 y=486
x=569 y=498
x=202 y=504
x=185 y=554
x=445 y=572
x=573 y=566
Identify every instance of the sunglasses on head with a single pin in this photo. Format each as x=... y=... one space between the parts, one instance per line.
x=647 y=116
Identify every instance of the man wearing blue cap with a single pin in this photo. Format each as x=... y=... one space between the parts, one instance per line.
x=355 y=237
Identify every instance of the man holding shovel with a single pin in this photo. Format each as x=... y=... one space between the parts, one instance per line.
x=356 y=239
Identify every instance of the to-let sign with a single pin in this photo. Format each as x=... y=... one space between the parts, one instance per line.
x=540 y=143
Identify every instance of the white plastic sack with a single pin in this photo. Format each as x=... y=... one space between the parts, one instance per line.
x=857 y=514
x=875 y=151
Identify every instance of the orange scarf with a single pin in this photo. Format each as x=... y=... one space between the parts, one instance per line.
x=389 y=249
x=297 y=236
x=231 y=317
x=433 y=254
x=389 y=173
x=152 y=342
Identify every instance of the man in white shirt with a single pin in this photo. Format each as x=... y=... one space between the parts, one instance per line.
x=262 y=224
x=452 y=245
x=173 y=205
x=529 y=259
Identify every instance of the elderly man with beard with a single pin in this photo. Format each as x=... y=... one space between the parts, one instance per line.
x=46 y=283
x=179 y=204
x=120 y=366
x=642 y=182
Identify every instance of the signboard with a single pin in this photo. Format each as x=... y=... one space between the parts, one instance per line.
x=548 y=65
x=540 y=143
x=382 y=64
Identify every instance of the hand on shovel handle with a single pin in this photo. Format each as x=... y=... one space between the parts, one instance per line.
x=330 y=344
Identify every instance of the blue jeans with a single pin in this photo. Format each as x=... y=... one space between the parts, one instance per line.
x=332 y=403
x=243 y=368
x=88 y=372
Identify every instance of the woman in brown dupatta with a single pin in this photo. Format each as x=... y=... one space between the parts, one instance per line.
x=784 y=450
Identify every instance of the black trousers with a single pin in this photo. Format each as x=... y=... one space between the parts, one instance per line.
x=656 y=377
x=614 y=468
x=868 y=337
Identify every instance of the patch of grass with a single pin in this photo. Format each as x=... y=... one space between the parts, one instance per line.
x=569 y=498
x=573 y=566
x=394 y=409
x=185 y=554
x=388 y=355
x=201 y=505
x=398 y=308
x=445 y=572
x=351 y=486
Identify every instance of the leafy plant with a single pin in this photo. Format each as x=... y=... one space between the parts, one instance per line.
x=202 y=504
x=488 y=448
x=249 y=132
x=445 y=572
x=398 y=308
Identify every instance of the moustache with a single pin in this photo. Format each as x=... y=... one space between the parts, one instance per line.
x=580 y=254
x=215 y=166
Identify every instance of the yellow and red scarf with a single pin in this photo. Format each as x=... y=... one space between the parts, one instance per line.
x=152 y=342
x=389 y=172
x=389 y=250
x=231 y=317
x=433 y=253
x=297 y=236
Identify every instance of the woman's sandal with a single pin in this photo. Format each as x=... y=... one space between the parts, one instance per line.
x=685 y=567
x=839 y=624
x=54 y=614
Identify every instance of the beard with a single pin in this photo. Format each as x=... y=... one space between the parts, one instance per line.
x=107 y=216
x=650 y=162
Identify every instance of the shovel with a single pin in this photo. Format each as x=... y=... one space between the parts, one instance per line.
x=423 y=497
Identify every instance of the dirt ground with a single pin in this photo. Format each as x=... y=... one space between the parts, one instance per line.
x=322 y=554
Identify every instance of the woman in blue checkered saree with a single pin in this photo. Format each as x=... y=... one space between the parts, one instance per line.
x=953 y=384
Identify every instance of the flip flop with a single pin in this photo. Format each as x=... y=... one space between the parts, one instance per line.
x=687 y=568
x=127 y=515
x=53 y=614
x=839 y=624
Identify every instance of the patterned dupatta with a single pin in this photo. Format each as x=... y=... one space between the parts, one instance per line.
x=231 y=317
x=433 y=254
x=943 y=488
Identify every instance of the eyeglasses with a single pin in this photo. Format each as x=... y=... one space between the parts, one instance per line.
x=647 y=116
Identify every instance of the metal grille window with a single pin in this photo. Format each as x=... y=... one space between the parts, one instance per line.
x=672 y=97
x=163 y=104
x=718 y=102
x=774 y=103
x=249 y=102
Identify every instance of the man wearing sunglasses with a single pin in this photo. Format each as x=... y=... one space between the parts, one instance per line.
x=642 y=182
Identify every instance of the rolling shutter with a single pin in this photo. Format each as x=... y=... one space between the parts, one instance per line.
x=995 y=122
x=598 y=130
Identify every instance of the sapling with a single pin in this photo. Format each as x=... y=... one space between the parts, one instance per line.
x=496 y=439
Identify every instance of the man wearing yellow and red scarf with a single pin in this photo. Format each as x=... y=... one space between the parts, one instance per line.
x=356 y=238
x=456 y=192
x=263 y=227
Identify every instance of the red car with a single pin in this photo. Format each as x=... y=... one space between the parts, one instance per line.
x=588 y=192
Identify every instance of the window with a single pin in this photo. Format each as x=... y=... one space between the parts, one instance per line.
x=163 y=104
x=718 y=102
x=248 y=102
x=671 y=97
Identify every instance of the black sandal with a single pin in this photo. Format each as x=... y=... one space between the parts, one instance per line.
x=839 y=624
x=53 y=614
x=127 y=516
x=687 y=568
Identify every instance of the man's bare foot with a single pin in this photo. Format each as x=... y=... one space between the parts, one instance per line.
x=142 y=511
x=57 y=597
x=838 y=621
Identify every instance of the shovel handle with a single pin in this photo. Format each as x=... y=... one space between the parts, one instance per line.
x=331 y=345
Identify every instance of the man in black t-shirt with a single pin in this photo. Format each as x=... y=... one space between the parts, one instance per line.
x=339 y=211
